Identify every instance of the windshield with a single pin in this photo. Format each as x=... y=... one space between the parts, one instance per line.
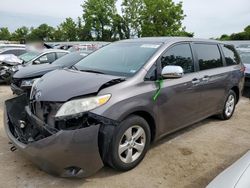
x=28 y=56
x=121 y=59
x=69 y=59
x=245 y=57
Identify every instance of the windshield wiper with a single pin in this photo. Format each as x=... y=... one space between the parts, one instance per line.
x=92 y=71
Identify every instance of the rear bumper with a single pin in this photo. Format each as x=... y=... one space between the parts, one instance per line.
x=71 y=153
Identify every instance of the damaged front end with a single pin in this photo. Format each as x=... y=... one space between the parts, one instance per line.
x=69 y=147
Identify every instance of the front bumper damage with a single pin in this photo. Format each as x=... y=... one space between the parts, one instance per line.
x=64 y=153
x=16 y=90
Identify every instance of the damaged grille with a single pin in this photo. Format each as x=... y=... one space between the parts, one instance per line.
x=16 y=82
x=45 y=111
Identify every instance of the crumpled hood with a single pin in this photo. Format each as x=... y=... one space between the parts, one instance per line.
x=10 y=59
x=34 y=71
x=62 y=85
x=247 y=68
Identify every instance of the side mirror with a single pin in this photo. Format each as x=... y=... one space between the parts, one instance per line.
x=172 y=71
x=36 y=62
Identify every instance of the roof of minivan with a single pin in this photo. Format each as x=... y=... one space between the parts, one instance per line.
x=169 y=39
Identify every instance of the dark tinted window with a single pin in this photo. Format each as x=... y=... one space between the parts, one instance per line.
x=179 y=55
x=69 y=59
x=230 y=54
x=209 y=56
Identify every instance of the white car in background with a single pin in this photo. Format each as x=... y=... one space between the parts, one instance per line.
x=11 y=64
x=42 y=56
x=235 y=176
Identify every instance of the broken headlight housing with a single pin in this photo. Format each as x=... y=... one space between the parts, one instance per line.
x=82 y=105
x=28 y=83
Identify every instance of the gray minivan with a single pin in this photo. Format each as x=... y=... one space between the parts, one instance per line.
x=119 y=99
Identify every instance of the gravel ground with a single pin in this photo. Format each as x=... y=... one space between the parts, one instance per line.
x=190 y=158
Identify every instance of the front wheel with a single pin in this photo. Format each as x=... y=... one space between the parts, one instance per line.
x=130 y=143
x=229 y=106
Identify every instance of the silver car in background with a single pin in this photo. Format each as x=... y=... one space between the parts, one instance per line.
x=245 y=58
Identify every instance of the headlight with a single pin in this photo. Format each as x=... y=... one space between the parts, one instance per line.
x=82 y=105
x=14 y=68
x=28 y=83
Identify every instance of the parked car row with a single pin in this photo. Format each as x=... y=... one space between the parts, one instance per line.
x=245 y=57
x=23 y=79
x=12 y=59
x=109 y=106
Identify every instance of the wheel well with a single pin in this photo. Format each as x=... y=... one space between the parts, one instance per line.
x=237 y=92
x=150 y=120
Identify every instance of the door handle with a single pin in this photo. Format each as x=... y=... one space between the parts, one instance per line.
x=196 y=81
x=205 y=78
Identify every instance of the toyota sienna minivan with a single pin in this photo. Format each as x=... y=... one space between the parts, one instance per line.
x=119 y=99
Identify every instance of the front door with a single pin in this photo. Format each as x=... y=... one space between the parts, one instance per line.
x=179 y=100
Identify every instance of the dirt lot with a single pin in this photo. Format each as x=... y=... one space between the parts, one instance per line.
x=189 y=158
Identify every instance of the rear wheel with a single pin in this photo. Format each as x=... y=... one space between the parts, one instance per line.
x=129 y=144
x=229 y=106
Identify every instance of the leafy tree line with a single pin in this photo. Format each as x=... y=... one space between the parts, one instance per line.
x=101 y=22
x=244 y=35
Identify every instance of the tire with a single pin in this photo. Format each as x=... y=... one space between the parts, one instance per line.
x=130 y=157
x=229 y=106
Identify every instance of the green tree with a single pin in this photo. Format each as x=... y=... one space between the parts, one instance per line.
x=119 y=28
x=245 y=35
x=20 y=33
x=4 y=33
x=224 y=37
x=57 y=35
x=98 y=18
x=42 y=33
x=247 y=29
x=83 y=31
x=162 y=18
x=132 y=11
x=69 y=30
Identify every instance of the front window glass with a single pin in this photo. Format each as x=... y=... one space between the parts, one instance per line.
x=47 y=58
x=60 y=54
x=122 y=59
x=179 y=55
x=28 y=56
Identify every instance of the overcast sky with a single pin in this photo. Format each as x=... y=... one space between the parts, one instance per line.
x=205 y=18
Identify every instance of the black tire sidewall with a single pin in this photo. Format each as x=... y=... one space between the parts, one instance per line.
x=118 y=133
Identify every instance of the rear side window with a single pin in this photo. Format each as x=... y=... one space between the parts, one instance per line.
x=179 y=55
x=231 y=55
x=209 y=56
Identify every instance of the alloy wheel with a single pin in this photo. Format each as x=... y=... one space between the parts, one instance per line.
x=230 y=104
x=132 y=144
